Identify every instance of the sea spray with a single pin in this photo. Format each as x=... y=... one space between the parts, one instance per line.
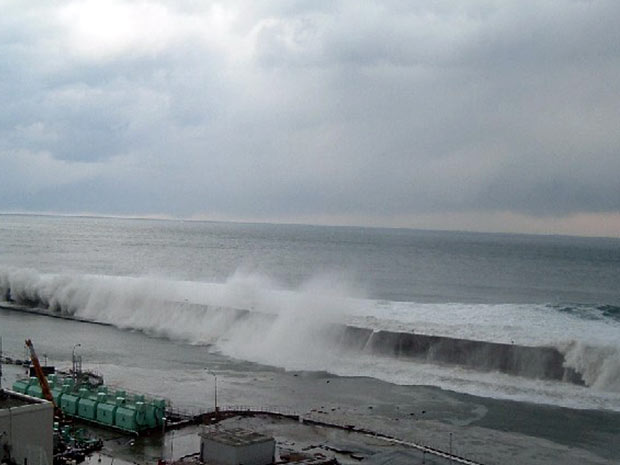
x=598 y=366
x=253 y=318
x=303 y=332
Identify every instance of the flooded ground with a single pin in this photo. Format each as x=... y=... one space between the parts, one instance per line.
x=486 y=430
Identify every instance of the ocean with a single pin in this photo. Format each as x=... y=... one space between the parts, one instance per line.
x=486 y=321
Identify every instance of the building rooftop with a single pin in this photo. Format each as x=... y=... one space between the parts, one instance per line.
x=10 y=399
x=234 y=436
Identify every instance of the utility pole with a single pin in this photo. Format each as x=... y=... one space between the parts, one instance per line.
x=74 y=361
x=215 y=389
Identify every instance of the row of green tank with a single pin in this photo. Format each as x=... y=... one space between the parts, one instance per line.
x=131 y=413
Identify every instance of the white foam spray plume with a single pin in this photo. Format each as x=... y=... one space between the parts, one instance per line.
x=165 y=308
x=599 y=366
x=252 y=317
x=301 y=335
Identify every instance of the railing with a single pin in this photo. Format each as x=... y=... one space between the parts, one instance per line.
x=315 y=420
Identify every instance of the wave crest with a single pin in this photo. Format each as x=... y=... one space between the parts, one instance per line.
x=297 y=330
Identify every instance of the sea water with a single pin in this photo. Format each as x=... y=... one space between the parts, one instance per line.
x=178 y=278
x=275 y=309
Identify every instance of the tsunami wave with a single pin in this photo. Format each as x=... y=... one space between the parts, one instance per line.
x=318 y=327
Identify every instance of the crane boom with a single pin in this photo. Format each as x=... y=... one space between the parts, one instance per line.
x=45 y=388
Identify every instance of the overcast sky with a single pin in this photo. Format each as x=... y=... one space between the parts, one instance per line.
x=482 y=115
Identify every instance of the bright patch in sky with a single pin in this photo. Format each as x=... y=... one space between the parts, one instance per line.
x=107 y=29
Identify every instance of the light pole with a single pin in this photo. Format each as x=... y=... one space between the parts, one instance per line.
x=73 y=360
x=215 y=388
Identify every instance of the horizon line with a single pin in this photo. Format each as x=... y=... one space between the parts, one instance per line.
x=171 y=218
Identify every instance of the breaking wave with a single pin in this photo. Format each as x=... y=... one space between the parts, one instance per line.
x=248 y=317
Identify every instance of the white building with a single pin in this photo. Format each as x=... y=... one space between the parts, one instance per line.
x=235 y=446
x=26 y=429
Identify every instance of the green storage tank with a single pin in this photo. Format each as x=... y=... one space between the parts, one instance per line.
x=57 y=393
x=131 y=413
x=130 y=416
x=155 y=412
x=125 y=415
x=141 y=415
x=21 y=385
x=106 y=410
x=69 y=403
x=87 y=404
x=34 y=389
x=60 y=390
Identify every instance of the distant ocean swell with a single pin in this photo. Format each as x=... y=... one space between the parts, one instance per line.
x=154 y=308
x=592 y=312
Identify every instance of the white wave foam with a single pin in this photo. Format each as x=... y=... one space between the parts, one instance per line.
x=299 y=331
x=599 y=366
x=522 y=324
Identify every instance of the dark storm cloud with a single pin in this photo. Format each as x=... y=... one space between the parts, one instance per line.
x=285 y=109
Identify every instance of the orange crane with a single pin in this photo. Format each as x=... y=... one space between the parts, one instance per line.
x=45 y=388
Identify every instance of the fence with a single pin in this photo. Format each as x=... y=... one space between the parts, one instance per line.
x=314 y=420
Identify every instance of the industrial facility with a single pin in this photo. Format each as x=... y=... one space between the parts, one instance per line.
x=26 y=429
x=236 y=447
x=83 y=396
x=62 y=418
x=128 y=412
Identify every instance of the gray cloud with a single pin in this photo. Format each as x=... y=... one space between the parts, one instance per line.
x=291 y=109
